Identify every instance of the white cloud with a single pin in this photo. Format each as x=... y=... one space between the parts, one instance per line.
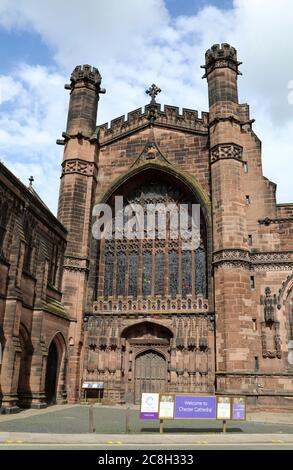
x=9 y=89
x=135 y=44
x=28 y=129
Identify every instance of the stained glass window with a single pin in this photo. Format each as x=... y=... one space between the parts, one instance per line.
x=173 y=273
x=125 y=256
x=186 y=263
x=133 y=274
x=108 y=281
x=28 y=233
x=291 y=320
x=121 y=269
x=200 y=272
x=160 y=275
x=147 y=274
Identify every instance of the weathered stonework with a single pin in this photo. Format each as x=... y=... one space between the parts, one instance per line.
x=33 y=320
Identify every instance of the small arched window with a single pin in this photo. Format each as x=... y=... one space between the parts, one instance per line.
x=28 y=228
x=3 y=222
x=54 y=265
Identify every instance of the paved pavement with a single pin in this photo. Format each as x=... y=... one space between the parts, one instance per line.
x=189 y=441
x=67 y=427
x=74 y=419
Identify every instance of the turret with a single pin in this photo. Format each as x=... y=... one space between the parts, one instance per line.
x=229 y=202
x=85 y=86
x=78 y=184
x=221 y=71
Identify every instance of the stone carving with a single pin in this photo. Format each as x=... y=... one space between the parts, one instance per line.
x=88 y=74
x=226 y=151
x=269 y=302
x=79 y=166
x=75 y=264
x=150 y=305
x=268 y=221
x=153 y=91
x=267 y=261
x=221 y=55
x=151 y=152
x=271 y=341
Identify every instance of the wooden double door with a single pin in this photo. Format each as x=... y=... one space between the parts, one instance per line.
x=150 y=373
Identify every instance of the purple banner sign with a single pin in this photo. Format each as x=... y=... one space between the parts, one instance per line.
x=190 y=406
x=238 y=409
x=148 y=415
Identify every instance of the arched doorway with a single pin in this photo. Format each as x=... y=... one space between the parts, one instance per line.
x=1 y=359
x=145 y=359
x=24 y=390
x=51 y=374
x=150 y=373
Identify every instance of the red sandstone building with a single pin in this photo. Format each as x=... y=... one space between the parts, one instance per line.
x=145 y=315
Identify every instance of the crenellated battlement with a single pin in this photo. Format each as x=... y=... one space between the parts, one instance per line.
x=85 y=73
x=220 y=51
x=221 y=55
x=170 y=117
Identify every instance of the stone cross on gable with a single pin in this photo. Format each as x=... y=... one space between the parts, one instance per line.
x=153 y=91
x=31 y=180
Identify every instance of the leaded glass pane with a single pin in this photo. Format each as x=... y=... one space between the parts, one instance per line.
x=147 y=274
x=186 y=263
x=200 y=272
x=133 y=274
x=108 y=281
x=160 y=275
x=121 y=268
x=173 y=273
x=291 y=320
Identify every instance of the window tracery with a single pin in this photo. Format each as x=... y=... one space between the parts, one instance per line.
x=153 y=266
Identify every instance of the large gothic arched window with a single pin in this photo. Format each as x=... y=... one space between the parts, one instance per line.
x=154 y=267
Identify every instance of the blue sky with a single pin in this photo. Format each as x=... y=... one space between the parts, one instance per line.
x=22 y=46
x=192 y=7
x=135 y=44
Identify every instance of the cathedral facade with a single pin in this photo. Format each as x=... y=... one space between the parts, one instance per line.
x=145 y=314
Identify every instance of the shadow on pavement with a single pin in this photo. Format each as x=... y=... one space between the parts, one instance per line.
x=191 y=430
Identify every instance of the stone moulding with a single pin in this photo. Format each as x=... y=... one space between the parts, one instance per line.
x=266 y=260
x=72 y=263
x=152 y=306
x=268 y=221
x=286 y=288
x=254 y=374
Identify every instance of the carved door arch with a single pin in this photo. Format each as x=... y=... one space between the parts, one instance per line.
x=150 y=373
